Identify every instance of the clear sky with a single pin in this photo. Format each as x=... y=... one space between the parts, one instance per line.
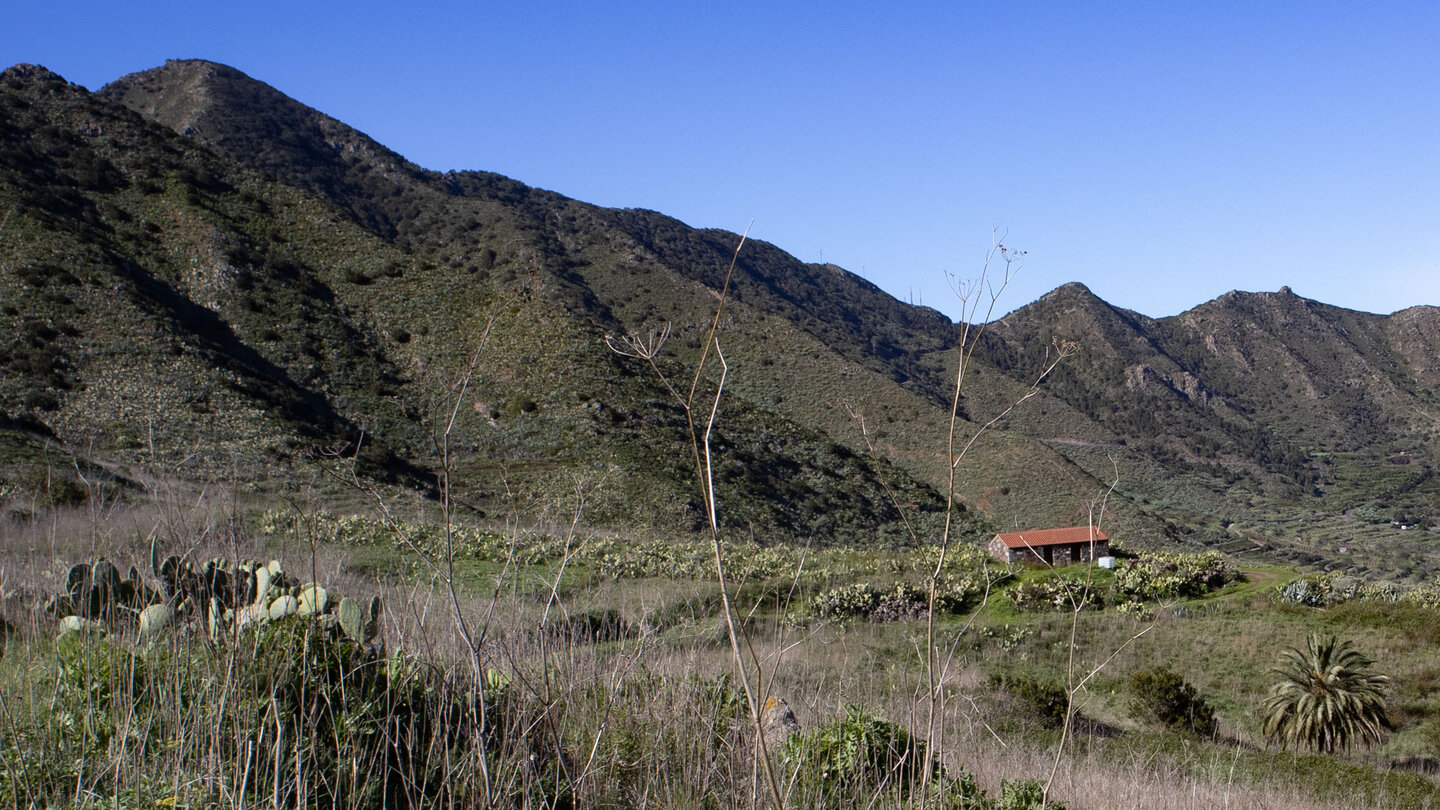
x=1160 y=153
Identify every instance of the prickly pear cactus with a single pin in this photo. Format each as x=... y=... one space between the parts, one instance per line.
x=81 y=626
x=372 y=620
x=77 y=582
x=223 y=599
x=313 y=600
x=156 y=619
x=262 y=587
x=351 y=619
x=250 y=616
x=286 y=605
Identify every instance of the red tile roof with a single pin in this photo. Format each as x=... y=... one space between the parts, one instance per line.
x=1051 y=537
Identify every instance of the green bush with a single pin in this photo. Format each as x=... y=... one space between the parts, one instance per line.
x=865 y=601
x=1152 y=577
x=57 y=490
x=1028 y=794
x=95 y=678
x=318 y=719
x=1046 y=699
x=1054 y=593
x=1162 y=696
x=307 y=680
x=855 y=755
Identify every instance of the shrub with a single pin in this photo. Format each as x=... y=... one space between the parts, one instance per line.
x=855 y=755
x=95 y=678
x=57 y=490
x=1027 y=794
x=865 y=601
x=371 y=724
x=368 y=724
x=1151 y=577
x=1162 y=695
x=1046 y=699
x=1056 y=593
x=41 y=401
x=306 y=683
x=852 y=759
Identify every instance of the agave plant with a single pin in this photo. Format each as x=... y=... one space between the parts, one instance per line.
x=1328 y=698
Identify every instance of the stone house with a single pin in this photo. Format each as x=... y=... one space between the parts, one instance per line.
x=1051 y=546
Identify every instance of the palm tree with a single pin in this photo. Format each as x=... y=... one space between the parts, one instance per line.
x=1328 y=698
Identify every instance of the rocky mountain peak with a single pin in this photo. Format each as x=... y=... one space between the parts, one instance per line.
x=25 y=72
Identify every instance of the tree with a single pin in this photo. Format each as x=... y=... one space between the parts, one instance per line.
x=1328 y=697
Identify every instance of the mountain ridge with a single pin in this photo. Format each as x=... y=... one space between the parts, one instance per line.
x=1252 y=401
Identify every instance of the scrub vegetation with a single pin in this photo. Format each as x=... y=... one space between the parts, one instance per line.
x=643 y=518
x=602 y=683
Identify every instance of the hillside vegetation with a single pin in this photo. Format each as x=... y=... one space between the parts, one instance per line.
x=236 y=330
x=593 y=671
x=201 y=271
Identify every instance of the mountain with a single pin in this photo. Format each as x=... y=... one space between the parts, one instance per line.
x=1259 y=379
x=808 y=336
x=175 y=306
x=138 y=274
x=1279 y=421
x=200 y=271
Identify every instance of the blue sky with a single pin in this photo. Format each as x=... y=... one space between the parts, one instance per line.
x=1160 y=153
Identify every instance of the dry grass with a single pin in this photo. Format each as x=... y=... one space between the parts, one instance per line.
x=615 y=694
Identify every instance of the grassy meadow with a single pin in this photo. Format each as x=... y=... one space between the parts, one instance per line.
x=570 y=669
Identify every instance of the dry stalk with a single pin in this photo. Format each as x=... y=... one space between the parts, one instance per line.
x=972 y=331
x=647 y=348
x=970 y=335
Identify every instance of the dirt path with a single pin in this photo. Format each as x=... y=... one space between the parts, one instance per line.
x=1256 y=581
x=1080 y=443
x=1259 y=578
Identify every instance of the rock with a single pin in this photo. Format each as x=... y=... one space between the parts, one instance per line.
x=777 y=723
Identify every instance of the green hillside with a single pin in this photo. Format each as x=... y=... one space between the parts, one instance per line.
x=204 y=275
